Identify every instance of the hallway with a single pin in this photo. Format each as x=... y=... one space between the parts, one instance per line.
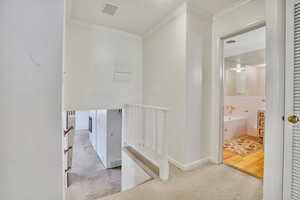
x=88 y=177
x=209 y=182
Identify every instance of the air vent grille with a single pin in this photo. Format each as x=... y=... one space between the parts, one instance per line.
x=110 y=9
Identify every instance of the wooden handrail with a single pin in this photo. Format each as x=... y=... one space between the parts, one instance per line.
x=68 y=131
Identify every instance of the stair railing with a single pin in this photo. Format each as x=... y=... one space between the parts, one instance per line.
x=145 y=130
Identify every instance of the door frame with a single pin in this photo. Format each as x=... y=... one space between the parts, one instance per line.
x=221 y=68
x=275 y=102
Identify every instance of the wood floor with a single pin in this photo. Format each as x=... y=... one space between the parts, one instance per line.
x=252 y=164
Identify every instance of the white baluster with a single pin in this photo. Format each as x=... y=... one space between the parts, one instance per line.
x=145 y=128
x=156 y=132
x=124 y=126
x=164 y=163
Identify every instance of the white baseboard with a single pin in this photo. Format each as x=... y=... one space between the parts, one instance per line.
x=114 y=164
x=189 y=166
x=176 y=163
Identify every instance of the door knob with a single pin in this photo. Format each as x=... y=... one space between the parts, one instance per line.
x=293 y=119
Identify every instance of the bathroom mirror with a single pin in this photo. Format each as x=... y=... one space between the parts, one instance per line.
x=244 y=74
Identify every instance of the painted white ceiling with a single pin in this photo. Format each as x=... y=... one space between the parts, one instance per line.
x=246 y=42
x=136 y=16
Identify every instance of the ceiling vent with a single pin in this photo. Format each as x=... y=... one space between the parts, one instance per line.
x=110 y=9
x=231 y=41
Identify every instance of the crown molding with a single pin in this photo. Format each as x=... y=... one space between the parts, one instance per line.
x=180 y=10
x=87 y=25
x=230 y=9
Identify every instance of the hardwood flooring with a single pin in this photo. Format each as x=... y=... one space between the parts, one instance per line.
x=252 y=164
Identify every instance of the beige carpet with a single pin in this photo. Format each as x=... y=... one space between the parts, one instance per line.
x=210 y=182
x=89 y=180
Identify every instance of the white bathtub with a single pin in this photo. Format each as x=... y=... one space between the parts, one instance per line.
x=233 y=118
x=234 y=127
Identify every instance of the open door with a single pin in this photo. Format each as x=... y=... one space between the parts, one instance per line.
x=292 y=103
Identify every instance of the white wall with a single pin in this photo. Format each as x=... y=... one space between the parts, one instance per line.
x=132 y=174
x=93 y=56
x=176 y=53
x=114 y=134
x=247 y=107
x=165 y=75
x=106 y=137
x=250 y=82
x=231 y=21
x=30 y=85
x=198 y=56
x=101 y=135
x=82 y=120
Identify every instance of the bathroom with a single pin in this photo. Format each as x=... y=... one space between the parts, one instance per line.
x=244 y=101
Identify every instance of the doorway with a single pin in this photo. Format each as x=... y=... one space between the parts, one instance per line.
x=244 y=101
x=93 y=154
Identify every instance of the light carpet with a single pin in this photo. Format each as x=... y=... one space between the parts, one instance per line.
x=209 y=182
x=89 y=179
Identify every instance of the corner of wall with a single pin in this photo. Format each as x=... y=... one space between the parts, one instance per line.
x=182 y=9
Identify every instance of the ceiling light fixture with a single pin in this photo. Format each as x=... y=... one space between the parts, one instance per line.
x=238 y=68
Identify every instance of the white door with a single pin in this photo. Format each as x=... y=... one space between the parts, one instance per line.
x=291 y=176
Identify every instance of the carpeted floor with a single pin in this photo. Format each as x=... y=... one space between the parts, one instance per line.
x=209 y=182
x=89 y=180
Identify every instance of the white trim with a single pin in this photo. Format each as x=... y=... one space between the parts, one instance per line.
x=275 y=58
x=101 y=27
x=114 y=164
x=99 y=107
x=203 y=14
x=148 y=106
x=196 y=164
x=180 y=10
x=230 y=9
x=68 y=10
x=176 y=163
x=190 y=166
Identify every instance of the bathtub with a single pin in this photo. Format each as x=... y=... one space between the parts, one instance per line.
x=233 y=118
x=234 y=127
